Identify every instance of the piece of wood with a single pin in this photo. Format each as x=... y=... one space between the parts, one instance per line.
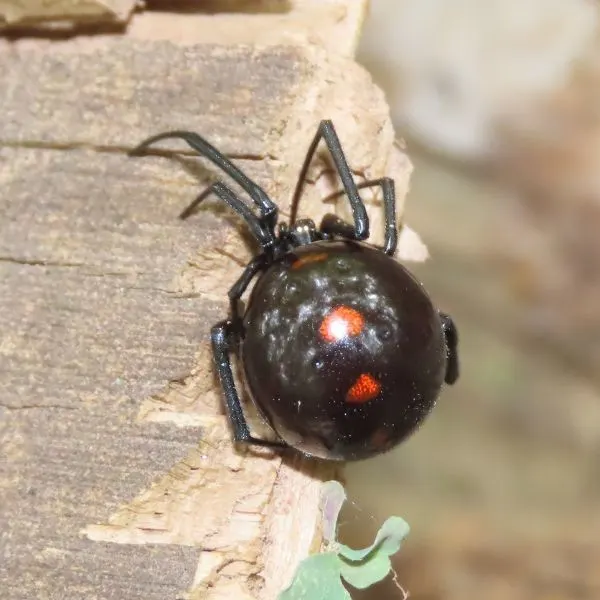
x=117 y=475
x=64 y=14
x=331 y=24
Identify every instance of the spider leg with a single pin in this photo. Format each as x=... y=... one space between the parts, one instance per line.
x=189 y=210
x=239 y=287
x=327 y=133
x=451 y=335
x=389 y=211
x=332 y=224
x=264 y=236
x=222 y=340
x=267 y=208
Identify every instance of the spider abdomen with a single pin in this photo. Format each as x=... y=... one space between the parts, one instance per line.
x=343 y=351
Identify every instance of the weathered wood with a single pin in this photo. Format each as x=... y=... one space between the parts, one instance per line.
x=106 y=300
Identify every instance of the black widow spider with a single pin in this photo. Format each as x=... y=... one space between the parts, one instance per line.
x=342 y=350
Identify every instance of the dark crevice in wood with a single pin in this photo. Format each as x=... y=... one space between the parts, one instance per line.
x=59 y=29
x=214 y=7
x=62 y=146
x=37 y=406
x=35 y=262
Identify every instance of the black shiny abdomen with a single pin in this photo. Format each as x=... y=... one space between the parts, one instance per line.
x=343 y=352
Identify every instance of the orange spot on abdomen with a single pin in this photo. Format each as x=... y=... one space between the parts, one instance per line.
x=309 y=258
x=340 y=323
x=365 y=388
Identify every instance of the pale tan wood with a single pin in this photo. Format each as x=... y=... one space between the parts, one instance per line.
x=331 y=24
x=64 y=13
x=117 y=470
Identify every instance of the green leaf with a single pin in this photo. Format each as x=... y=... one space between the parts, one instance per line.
x=317 y=578
x=363 y=568
x=388 y=540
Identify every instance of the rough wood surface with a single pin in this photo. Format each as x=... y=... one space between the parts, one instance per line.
x=117 y=476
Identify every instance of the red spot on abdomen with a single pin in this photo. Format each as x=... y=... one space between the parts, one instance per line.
x=365 y=388
x=309 y=258
x=340 y=323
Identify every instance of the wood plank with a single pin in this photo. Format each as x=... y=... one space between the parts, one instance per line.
x=117 y=476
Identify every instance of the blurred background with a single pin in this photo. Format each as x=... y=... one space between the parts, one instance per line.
x=499 y=101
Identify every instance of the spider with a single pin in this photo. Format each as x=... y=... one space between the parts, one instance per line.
x=342 y=350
